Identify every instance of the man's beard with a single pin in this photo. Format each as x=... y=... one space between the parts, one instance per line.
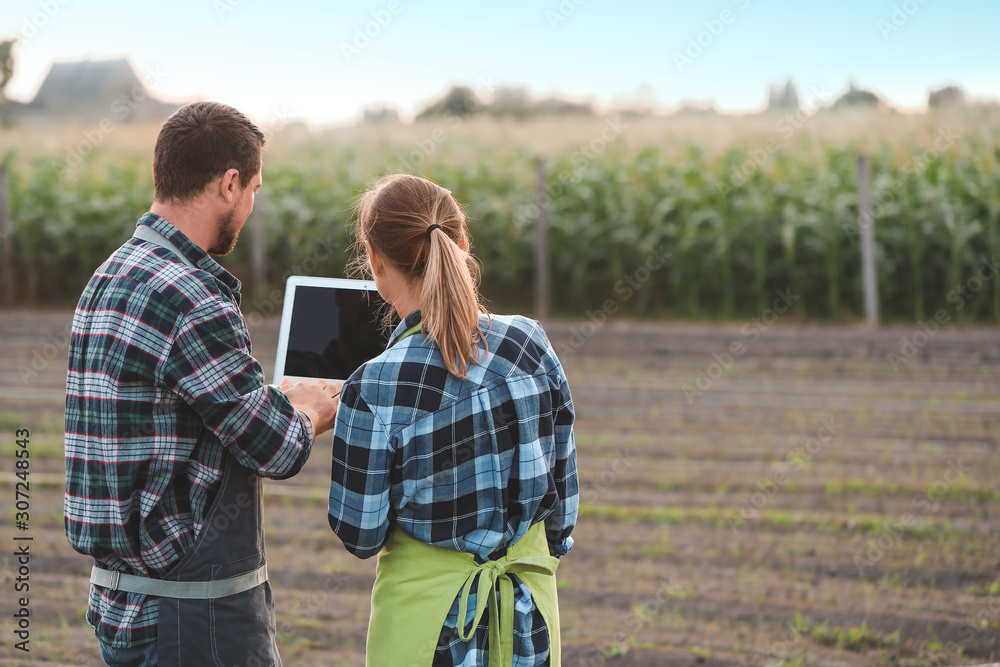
x=229 y=232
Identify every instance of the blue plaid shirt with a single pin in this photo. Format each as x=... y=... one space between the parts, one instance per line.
x=468 y=465
x=161 y=381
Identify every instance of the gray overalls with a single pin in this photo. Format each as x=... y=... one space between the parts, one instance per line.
x=236 y=630
x=216 y=606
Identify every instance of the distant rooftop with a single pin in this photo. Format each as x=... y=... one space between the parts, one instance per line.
x=86 y=80
x=92 y=90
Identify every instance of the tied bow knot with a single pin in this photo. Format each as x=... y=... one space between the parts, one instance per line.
x=501 y=629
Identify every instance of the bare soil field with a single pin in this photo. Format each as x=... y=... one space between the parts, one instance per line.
x=802 y=498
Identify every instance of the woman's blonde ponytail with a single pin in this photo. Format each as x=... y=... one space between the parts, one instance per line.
x=449 y=303
x=420 y=228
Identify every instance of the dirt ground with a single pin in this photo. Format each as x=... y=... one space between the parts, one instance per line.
x=766 y=495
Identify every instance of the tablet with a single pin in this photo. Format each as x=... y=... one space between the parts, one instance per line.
x=329 y=327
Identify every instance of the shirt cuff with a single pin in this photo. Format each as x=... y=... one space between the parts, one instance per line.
x=307 y=428
x=561 y=549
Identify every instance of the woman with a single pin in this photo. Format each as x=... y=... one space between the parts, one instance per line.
x=453 y=454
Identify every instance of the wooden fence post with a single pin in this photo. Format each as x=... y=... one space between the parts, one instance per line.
x=7 y=238
x=541 y=244
x=869 y=276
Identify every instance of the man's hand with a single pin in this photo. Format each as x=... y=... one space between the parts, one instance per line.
x=318 y=400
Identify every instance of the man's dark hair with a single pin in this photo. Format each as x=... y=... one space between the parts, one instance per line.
x=200 y=142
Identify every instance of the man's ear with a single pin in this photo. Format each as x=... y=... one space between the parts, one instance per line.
x=229 y=186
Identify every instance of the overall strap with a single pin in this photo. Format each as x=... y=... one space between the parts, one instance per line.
x=147 y=233
x=409 y=332
x=182 y=590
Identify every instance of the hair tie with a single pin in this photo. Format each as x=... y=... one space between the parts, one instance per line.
x=432 y=228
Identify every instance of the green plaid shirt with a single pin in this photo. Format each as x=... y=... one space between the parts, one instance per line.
x=161 y=382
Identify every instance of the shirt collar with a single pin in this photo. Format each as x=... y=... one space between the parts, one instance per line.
x=195 y=254
x=409 y=321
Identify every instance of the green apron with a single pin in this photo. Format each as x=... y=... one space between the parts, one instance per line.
x=416 y=584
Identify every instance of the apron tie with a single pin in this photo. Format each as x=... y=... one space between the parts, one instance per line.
x=501 y=643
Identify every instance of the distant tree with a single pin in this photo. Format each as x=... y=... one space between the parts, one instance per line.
x=381 y=115
x=459 y=101
x=6 y=73
x=695 y=109
x=516 y=103
x=6 y=65
x=641 y=102
x=856 y=97
x=783 y=98
x=950 y=96
x=510 y=101
x=555 y=106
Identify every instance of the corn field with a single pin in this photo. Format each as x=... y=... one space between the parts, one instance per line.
x=738 y=219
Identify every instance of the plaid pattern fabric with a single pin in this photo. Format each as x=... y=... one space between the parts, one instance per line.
x=161 y=381
x=468 y=465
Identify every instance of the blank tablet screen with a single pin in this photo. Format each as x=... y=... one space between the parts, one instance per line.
x=331 y=331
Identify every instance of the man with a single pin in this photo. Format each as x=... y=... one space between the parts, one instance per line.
x=169 y=426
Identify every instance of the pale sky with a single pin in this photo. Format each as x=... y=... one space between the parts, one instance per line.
x=304 y=59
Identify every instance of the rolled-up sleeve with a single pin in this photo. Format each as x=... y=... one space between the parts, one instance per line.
x=210 y=367
x=359 y=510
